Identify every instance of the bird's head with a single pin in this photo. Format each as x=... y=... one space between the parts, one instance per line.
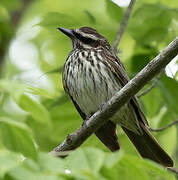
x=85 y=38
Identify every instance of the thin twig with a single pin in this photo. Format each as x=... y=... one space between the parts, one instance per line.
x=164 y=128
x=123 y=26
x=119 y=99
x=14 y=18
x=174 y=170
x=152 y=85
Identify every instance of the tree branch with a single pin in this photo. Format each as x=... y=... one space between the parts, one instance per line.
x=151 y=86
x=123 y=26
x=16 y=16
x=119 y=99
x=14 y=20
x=164 y=128
x=174 y=170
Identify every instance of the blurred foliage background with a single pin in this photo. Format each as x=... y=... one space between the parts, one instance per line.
x=35 y=113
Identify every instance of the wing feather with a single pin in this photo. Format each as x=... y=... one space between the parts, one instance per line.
x=119 y=70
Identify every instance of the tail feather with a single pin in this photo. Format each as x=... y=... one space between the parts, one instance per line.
x=108 y=135
x=148 y=147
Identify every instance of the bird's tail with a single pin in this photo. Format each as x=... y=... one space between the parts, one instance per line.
x=108 y=136
x=148 y=147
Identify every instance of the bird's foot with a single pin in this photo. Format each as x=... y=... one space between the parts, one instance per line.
x=102 y=106
x=85 y=121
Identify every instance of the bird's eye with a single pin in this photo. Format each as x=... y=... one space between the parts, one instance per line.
x=85 y=40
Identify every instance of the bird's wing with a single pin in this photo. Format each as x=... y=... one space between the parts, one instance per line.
x=146 y=144
x=119 y=70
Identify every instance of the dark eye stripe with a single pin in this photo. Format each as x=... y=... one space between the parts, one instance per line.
x=85 y=40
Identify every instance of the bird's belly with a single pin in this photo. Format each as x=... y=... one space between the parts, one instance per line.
x=90 y=97
x=90 y=87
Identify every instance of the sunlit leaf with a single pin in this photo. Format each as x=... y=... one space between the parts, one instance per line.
x=90 y=17
x=8 y=160
x=4 y=15
x=56 y=19
x=172 y=3
x=11 y=5
x=17 y=137
x=168 y=88
x=87 y=158
x=21 y=173
x=114 y=11
x=51 y=163
x=129 y=166
x=15 y=88
x=145 y=21
x=41 y=92
x=113 y=158
x=150 y=167
x=57 y=70
x=35 y=109
x=60 y=100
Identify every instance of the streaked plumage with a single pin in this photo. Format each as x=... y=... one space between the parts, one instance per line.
x=92 y=74
x=91 y=87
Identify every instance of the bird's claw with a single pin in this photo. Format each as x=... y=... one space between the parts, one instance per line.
x=102 y=106
x=85 y=121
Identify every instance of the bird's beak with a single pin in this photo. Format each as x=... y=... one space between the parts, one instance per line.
x=67 y=32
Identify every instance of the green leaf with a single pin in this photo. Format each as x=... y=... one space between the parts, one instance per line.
x=139 y=61
x=145 y=21
x=60 y=100
x=87 y=158
x=17 y=137
x=11 y=5
x=4 y=15
x=91 y=18
x=124 y=169
x=133 y=167
x=65 y=120
x=57 y=70
x=51 y=163
x=113 y=158
x=150 y=167
x=15 y=88
x=36 y=110
x=168 y=88
x=55 y=19
x=172 y=3
x=134 y=170
x=114 y=11
x=8 y=160
x=21 y=173
x=141 y=57
x=46 y=167
x=41 y=92
x=151 y=103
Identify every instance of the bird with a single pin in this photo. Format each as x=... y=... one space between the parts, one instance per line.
x=91 y=75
